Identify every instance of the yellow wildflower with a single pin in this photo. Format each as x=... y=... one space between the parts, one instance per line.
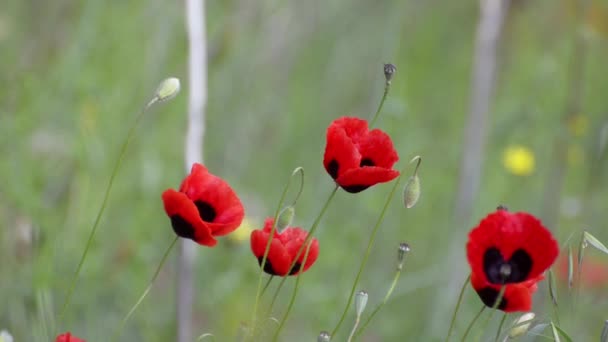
x=519 y=160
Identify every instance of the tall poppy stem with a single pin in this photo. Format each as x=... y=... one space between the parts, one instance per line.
x=306 y=243
x=466 y=333
x=367 y=252
x=499 y=330
x=147 y=290
x=453 y=321
x=386 y=297
x=387 y=87
x=272 y=232
x=104 y=203
x=501 y=294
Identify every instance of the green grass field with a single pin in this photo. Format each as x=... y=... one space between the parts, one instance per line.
x=75 y=73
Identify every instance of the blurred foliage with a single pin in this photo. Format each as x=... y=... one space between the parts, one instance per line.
x=74 y=74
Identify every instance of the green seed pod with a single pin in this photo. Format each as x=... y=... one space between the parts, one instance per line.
x=360 y=302
x=324 y=337
x=411 y=192
x=286 y=217
x=404 y=248
x=522 y=325
x=168 y=89
x=389 y=71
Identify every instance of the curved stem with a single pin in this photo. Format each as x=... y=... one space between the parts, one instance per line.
x=276 y=294
x=266 y=286
x=306 y=244
x=453 y=321
x=104 y=203
x=387 y=87
x=145 y=293
x=299 y=170
x=466 y=333
x=352 y=332
x=367 y=252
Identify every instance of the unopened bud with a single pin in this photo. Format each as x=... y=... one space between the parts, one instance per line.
x=411 y=192
x=286 y=218
x=389 y=71
x=522 y=325
x=360 y=302
x=404 y=248
x=324 y=337
x=167 y=89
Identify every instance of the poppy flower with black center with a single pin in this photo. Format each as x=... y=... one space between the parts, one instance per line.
x=204 y=207
x=516 y=297
x=67 y=337
x=284 y=247
x=357 y=158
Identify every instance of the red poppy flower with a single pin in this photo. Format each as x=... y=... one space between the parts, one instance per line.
x=283 y=249
x=67 y=337
x=510 y=248
x=517 y=297
x=357 y=158
x=204 y=207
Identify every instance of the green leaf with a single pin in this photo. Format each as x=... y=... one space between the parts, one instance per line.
x=593 y=241
x=555 y=333
x=563 y=333
x=552 y=288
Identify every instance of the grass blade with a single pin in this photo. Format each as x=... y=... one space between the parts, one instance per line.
x=593 y=241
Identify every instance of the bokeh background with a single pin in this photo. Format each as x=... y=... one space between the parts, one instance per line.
x=75 y=73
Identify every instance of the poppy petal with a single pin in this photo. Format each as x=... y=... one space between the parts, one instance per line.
x=278 y=261
x=516 y=243
x=340 y=152
x=377 y=150
x=517 y=297
x=293 y=247
x=185 y=218
x=359 y=179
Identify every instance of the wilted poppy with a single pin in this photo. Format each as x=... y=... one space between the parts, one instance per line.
x=283 y=249
x=67 y=337
x=204 y=207
x=357 y=158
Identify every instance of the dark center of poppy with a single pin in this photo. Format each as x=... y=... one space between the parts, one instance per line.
x=366 y=162
x=205 y=211
x=501 y=271
x=489 y=296
x=267 y=266
x=181 y=227
x=332 y=168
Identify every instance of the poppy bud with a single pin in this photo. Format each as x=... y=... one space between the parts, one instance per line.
x=604 y=337
x=324 y=337
x=167 y=89
x=5 y=336
x=389 y=71
x=522 y=325
x=411 y=192
x=360 y=302
x=404 y=248
x=502 y=207
x=286 y=218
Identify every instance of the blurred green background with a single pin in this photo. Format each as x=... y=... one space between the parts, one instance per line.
x=75 y=73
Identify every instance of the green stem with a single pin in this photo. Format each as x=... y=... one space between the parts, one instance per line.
x=502 y=322
x=145 y=293
x=306 y=244
x=466 y=333
x=387 y=87
x=104 y=203
x=501 y=293
x=460 y=296
x=367 y=253
x=267 y=250
x=388 y=295
x=352 y=332
x=266 y=286
x=276 y=294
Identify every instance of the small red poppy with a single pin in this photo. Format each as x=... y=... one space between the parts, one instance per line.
x=357 y=158
x=204 y=207
x=283 y=249
x=67 y=337
x=517 y=297
x=508 y=248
